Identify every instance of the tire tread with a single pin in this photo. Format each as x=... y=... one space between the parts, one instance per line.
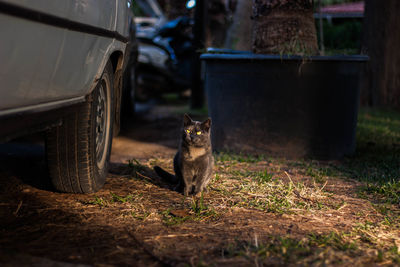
x=70 y=148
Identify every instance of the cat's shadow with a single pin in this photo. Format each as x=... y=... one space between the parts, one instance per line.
x=135 y=170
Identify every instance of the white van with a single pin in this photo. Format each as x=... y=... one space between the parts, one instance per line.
x=61 y=64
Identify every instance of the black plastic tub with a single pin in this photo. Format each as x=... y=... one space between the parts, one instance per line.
x=283 y=106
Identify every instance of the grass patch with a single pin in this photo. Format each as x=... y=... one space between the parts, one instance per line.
x=264 y=176
x=200 y=211
x=121 y=199
x=170 y=219
x=101 y=202
x=234 y=158
x=197 y=210
x=114 y=198
x=140 y=216
x=376 y=161
x=320 y=173
x=377 y=236
x=376 y=164
x=332 y=240
x=315 y=249
x=377 y=158
x=386 y=192
x=128 y=205
x=262 y=191
x=135 y=166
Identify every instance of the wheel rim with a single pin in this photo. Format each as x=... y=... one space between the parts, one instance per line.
x=102 y=123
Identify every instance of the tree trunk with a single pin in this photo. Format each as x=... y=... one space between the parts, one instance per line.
x=199 y=38
x=284 y=27
x=381 y=41
x=217 y=24
x=240 y=32
x=173 y=8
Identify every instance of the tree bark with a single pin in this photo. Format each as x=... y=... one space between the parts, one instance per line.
x=240 y=32
x=284 y=27
x=217 y=24
x=381 y=41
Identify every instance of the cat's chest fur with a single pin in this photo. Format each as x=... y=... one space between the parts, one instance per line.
x=193 y=153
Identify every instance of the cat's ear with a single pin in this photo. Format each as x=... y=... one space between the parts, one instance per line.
x=206 y=125
x=187 y=120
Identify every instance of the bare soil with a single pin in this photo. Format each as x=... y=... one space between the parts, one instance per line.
x=138 y=220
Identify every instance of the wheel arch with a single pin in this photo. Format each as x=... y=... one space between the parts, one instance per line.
x=117 y=60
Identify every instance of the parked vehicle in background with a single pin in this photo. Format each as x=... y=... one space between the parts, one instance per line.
x=149 y=17
x=129 y=75
x=61 y=72
x=166 y=51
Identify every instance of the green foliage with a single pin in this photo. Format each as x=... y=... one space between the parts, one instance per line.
x=140 y=216
x=198 y=205
x=170 y=219
x=319 y=173
x=332 y=240
x=120 y=199
x=201 y=211
x=263 y=176
x=197 y=211
x=101 y=202
x=389 y=190
x=342 y=38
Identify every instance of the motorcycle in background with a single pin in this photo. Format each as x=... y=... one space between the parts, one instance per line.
x=166 y=54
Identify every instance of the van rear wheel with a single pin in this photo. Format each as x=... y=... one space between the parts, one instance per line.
x=78 y=151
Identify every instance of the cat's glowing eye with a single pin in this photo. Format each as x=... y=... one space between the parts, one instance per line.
x=198 y=133
x=188 y=131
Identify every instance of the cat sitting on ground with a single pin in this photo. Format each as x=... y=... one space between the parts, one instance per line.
x=194 y=162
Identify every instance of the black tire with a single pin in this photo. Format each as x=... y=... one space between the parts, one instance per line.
x=78 y=151
x=142 y=92
x=129 y=95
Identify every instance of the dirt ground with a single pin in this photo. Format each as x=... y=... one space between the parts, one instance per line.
x=138 y=220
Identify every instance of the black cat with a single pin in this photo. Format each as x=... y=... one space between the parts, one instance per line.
x=194 y=162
